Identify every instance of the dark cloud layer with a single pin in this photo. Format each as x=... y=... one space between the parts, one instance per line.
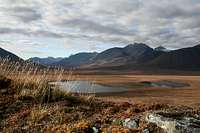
x=24 y=14
x=172 y=23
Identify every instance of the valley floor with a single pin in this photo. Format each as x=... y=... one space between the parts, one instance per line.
x=181 y=96
x=26 y=108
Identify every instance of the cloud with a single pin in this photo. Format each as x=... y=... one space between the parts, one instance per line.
x=28 y=32
x=94 y=27
x=172 y=23
x=22 y=13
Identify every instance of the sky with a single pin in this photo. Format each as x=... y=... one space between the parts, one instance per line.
x=60 y=28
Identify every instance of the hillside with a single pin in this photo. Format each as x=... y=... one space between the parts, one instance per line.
x=4 y=54
x=136 y=53
x=141 y=57
x=186 y=58
x=45 y=61
x=76 y=60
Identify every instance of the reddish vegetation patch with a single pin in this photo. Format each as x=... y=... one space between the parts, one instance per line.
x=73 y=113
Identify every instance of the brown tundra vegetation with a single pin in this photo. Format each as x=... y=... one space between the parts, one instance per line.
x=29 y=104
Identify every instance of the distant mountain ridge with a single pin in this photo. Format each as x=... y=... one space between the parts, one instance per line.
x=76 y=60
x=133 y=56
x=45 y=61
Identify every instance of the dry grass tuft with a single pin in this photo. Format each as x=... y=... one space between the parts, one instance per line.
x=26 y=85
x=30 y=82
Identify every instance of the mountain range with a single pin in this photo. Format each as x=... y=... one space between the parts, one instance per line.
x=45 y=61
x=133 y=56
x=76 y=60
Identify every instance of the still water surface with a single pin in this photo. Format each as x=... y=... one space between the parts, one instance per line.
x=87 y=87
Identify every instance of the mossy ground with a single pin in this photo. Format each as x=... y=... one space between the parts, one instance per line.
x=57 y=111
x=42 y=109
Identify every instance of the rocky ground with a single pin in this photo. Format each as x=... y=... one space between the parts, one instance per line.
x=57 y=112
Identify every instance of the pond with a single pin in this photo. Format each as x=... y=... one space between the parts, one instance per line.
x=166 y=84
x=87 y=87
x=79 y=86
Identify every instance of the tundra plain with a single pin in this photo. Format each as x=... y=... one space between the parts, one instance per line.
x=186 y=95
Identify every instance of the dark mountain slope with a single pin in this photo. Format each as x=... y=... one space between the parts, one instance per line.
x=131 y=54
x=110 y=54
x=110 y=57
x=4 y=54
x=162 y=49
x=141 y=53
x=137 y=50
x=76 y=60
x=186 y=58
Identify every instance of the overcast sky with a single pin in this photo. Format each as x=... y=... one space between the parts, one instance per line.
x=63 y=27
